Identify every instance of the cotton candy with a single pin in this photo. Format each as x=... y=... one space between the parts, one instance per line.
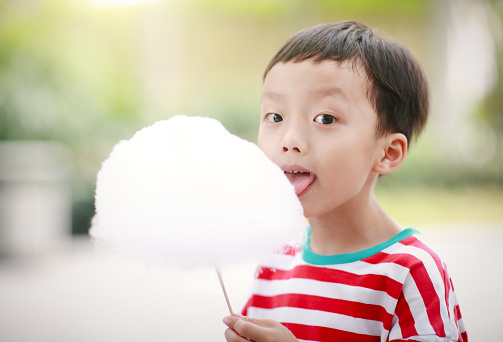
x=185 y=192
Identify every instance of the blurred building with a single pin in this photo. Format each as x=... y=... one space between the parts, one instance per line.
x=35 y=197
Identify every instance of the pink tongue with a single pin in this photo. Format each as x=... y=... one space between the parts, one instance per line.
x=300 y=181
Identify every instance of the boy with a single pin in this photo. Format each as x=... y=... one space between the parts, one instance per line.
x=339 y=107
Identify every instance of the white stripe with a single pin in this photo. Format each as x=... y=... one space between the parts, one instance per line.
x=324 y=289
x=452 y=323
x=434 y=275
x=320 y=319
x=390 y=270
x=461 y=325
x=453 y=302
x=417 y=307
x=429 y=338
x=395 y=333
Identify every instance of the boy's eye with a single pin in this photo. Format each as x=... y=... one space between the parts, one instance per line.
x=325 y=119
x=273 y=117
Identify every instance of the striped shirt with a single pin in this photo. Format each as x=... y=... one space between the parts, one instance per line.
x=396 y=291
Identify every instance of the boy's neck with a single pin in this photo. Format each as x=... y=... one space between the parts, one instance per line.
x=352 y=229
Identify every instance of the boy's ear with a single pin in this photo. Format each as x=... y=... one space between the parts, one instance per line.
x=392 y=153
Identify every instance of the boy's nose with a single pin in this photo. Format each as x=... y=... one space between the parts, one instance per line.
x=294 y=141
x=294 y=149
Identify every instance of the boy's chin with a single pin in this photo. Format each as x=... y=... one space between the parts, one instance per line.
x=309 y=211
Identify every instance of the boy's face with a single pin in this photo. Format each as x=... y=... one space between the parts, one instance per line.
x=317 y=119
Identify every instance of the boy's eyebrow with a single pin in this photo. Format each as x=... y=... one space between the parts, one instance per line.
x=321 y=92
x=271 y=95
x=329 y=92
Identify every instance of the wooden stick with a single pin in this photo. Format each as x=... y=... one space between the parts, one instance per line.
x=219 y=274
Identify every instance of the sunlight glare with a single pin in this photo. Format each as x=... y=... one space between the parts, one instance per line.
x=122 y=3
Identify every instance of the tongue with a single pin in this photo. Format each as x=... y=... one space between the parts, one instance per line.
x=300 y=181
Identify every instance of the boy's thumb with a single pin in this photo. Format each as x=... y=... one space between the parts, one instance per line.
x=230 y=320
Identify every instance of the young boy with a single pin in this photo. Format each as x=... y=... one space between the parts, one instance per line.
x=339 y=107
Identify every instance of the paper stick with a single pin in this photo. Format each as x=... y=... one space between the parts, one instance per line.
x=219 y=274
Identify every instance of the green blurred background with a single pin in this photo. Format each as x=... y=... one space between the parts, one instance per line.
x=88 y=73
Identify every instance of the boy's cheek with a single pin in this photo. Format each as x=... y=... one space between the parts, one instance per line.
x=270 y=156
x=263 y=147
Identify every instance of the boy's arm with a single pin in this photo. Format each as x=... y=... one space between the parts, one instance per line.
x=243 y=328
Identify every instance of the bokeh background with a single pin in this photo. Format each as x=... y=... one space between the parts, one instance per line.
x=77 y=76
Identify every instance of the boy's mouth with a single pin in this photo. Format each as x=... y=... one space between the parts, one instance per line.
x=300 y=179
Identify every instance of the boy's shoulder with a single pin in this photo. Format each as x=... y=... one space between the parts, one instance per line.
x=411 y=259
x=409 y=252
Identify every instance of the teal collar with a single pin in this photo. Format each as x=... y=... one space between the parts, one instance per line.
x=317 y=259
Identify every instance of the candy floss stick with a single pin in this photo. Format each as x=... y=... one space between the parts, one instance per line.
x=188 y=194
x=220 y=279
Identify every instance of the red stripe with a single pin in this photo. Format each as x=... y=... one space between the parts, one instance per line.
x=369 y=281
x=415 y=242
x=383 y=258
x=457 y=313
x=244 y=312
x=426 y=287
x=405 y=318
x=448 y=288
x=422 y=280
x=442 y=268
x=338 y=306
x=307 y=332
x=463 y=337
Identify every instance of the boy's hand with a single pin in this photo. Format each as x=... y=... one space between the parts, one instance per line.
x=255 y=329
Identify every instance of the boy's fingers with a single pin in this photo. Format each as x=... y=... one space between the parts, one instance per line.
x=261 y=322
x=248 y=330
x=230 y=321
x=232 y=336
x=246 y=327
x=235 y=317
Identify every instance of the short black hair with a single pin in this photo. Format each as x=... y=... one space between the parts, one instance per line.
x=398 y=89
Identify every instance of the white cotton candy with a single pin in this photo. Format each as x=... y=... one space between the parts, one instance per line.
x=185 y=192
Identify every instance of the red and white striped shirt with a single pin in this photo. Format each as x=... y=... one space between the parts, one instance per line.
x=396 y=291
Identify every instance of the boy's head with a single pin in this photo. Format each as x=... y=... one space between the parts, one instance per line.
x=398 y=89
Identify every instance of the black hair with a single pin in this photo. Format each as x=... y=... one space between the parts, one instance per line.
x=398 y=87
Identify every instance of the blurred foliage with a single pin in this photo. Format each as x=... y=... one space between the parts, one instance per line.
x=65 y=75
x=492 y=108
x=60 y=75
x=419 y=206
x=280 y=7
x=89 y=76
x=425 y=166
